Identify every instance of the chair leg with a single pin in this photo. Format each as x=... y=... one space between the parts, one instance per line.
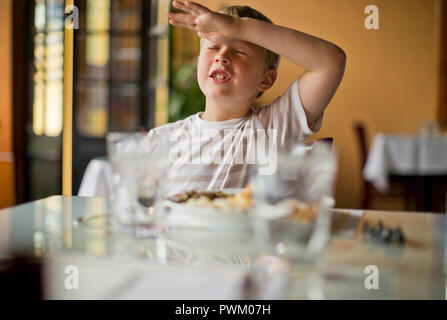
x=408 y=195
x=418 y=195
x=366 y=196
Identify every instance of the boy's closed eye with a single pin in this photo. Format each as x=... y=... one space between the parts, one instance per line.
x=241 y=52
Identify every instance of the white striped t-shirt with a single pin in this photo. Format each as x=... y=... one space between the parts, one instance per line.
x=205 y=155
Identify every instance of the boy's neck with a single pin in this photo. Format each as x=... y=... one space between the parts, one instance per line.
x=218 y=111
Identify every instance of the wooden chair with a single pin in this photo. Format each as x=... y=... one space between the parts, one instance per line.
x=400 y=186
x=361 y=140
x=328 y=140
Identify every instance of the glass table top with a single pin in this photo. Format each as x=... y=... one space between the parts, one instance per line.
x=51 y=229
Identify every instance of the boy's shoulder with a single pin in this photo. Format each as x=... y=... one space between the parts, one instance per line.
x=158 y=135
x=179 y=124
x=288 y=97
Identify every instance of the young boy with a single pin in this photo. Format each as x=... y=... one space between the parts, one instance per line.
x=238 y=61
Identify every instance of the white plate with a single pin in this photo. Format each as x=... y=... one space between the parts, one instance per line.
x=208 y=229
x=186 y=215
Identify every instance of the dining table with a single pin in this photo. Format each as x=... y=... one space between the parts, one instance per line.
x=419 y=160
x=67 y=238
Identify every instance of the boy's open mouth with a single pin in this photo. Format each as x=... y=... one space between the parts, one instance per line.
x=220 y=76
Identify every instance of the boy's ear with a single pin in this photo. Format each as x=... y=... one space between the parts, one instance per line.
x=268 y=80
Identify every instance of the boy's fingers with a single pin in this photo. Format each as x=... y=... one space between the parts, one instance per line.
x=181 y=24
x=182 y=17
x=181 y=6
x=196 y=7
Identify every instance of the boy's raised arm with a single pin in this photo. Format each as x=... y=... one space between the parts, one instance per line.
x=324 y=62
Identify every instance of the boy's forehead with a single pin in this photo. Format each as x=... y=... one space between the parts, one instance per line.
x=236 y=43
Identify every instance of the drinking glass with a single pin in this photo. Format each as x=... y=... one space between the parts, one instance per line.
x=138 y=169
x=291 y=218
x=291 y=205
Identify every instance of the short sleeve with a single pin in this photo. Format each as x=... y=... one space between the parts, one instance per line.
x=286 y=115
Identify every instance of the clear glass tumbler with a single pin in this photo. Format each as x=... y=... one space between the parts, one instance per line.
x=291 y=218
x=138 y=169
x=291 y=215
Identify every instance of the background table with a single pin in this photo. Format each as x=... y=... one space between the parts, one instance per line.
x=117 y=265
x=97 y=179
x=421 y=160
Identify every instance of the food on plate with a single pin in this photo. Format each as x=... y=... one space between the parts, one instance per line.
x=301 y=211
x=243 y=201
x=239 y=202
x=203 y=195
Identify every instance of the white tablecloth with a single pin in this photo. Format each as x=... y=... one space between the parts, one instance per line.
x=404 y=155
x=97 y=179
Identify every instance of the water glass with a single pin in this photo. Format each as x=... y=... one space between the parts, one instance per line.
x=138 y=172
x=291 y=219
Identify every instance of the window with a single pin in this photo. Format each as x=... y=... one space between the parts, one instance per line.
x=121 y=68
x=45 y=109
x=120 y=81
x=120 y=73
x=48 y=67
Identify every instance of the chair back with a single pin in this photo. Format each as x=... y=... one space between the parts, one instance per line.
x=328 y=140
x=361 y=140
x=360 y=132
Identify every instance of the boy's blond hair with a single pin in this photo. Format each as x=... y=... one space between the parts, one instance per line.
x=272 y=59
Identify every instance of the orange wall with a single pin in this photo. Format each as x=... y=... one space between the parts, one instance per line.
x=6 y=161
x=391 y=75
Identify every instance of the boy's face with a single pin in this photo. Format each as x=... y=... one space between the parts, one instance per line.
x=233 y=71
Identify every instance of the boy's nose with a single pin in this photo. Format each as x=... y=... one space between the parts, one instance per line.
x=222 y=59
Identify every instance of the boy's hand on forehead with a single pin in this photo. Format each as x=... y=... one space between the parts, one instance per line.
x=323 y=62
x=213 y=26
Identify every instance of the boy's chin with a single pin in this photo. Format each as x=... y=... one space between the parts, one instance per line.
x=225 y=95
